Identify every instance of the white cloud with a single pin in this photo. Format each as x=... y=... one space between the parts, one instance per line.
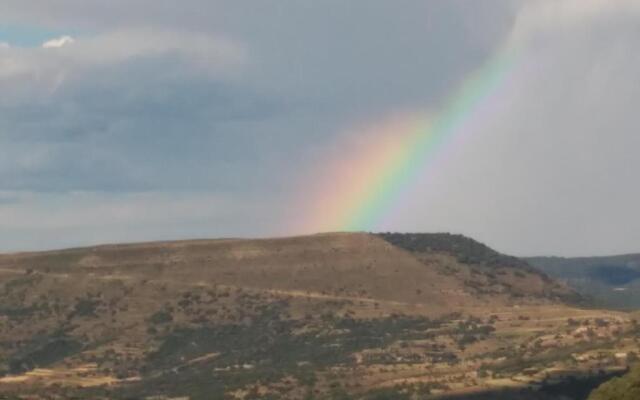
x=4 y=45
x=28 y=73
x=58 y=42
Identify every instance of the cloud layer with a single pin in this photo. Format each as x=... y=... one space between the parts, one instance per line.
x=208 y=118
x=552 y=172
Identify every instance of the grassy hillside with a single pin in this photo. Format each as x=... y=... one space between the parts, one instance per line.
x=323 y=316
x=610 y=281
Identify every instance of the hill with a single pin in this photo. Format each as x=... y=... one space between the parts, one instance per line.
x=345 y=315
x=611 y=281
x=498 y=269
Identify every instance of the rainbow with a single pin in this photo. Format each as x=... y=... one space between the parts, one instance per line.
x=364 y=185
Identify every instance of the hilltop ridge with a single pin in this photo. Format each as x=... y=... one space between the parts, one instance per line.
x=465 y=249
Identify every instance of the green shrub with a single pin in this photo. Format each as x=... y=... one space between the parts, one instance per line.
x=623 y=388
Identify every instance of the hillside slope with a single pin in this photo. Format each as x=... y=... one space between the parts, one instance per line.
x=281 y=318
x=611 y=281
x=491 y=272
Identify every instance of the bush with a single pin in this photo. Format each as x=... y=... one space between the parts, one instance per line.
x=161 y=317
x=624 y=388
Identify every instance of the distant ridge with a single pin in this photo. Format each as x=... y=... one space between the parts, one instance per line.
x=613 y=281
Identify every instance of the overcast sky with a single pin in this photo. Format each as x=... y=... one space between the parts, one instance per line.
x=155 y=119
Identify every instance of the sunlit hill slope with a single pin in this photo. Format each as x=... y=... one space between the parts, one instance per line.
x=348 y=314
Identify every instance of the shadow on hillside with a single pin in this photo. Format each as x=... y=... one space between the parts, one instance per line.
x=574 y=389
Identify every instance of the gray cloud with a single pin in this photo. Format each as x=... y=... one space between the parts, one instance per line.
x=553 y=170
x=155 y=103
x=52 y=220
x=153 y=87
x=122 y=118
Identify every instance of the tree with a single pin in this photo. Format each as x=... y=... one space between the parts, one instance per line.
x=623 y=388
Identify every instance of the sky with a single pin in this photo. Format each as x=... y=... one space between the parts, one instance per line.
x=145 y=120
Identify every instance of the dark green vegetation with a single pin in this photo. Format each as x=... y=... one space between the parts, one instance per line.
x=611 y=281
x=266 y=348
x=42 y=352
x=573 y=389
x=466 y=250
x=622 y=388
